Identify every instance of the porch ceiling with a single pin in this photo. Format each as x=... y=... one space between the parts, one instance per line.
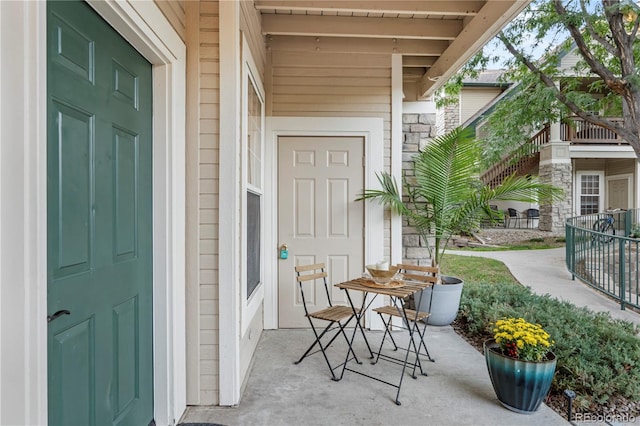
x=435 y=37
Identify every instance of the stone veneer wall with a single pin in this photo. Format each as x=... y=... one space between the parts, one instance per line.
x=417 y=131
x=552 y=217
x=447 y=119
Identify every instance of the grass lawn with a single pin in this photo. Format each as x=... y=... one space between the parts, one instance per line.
x=476 y=269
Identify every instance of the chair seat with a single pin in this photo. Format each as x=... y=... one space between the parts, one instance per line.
x=393 y=311
x=333 y=313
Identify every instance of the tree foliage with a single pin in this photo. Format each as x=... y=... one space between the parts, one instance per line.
x=602 y=32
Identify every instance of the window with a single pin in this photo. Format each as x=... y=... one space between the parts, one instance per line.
x=253 y=242
x=589 y=192
x=252 y=204
x=254 y=135
x=253 y=122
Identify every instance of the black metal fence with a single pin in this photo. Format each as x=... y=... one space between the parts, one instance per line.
x=601 y=253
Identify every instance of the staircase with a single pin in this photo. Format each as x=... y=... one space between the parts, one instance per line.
x=521 y=161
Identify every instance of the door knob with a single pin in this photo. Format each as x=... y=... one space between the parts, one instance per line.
x=58 y=315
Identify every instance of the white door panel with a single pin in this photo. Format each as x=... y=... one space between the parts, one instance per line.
x=318 y=180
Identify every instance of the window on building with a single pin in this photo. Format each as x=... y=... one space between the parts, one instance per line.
x=589 y=193
x=252 y=179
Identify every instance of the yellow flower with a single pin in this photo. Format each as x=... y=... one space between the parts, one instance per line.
x=527 y=341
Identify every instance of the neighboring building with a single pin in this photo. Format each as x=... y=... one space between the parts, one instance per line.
x=154 y=157
x=596 y=169
x=475 y=94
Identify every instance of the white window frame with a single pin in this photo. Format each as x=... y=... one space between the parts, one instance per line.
x=250 y=305
x=578 y=193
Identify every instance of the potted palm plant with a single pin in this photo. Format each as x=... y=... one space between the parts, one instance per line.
x=446 y=197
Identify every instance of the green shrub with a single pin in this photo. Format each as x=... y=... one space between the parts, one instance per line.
x=598 y=357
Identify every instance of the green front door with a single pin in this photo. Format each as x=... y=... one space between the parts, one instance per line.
x=99 y=198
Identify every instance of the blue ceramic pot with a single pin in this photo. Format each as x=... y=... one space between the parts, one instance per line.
x=520 y=386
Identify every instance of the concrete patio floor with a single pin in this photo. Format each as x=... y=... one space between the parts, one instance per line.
x=457 y=390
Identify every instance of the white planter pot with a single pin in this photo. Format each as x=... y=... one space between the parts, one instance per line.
x=442 y=301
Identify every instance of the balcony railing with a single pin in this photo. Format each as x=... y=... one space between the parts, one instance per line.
x=573 y=129
x=605 y=261
x=578 y=131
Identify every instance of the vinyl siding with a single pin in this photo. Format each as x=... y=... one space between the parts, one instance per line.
x=316 y=84
x=620 y=166
x=473 y=100
x=204 y=110
x=174 y=11
x=569 y=61
x=581 y=164
x=251 y=27
x=208 y=183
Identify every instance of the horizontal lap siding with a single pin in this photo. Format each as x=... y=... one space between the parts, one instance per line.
x=620 y=166
x=209 y=120
x=174 y=11
x=331 y=85
x=317 y=84
x=208 y=112
x=473 y=99
x=251 y=27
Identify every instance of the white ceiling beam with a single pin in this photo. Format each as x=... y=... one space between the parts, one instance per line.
x=482 y=28
x=421 y=7
x=418 y=61
x=424 y=48
x=343 y=26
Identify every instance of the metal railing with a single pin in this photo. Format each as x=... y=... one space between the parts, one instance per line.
x=607 y=262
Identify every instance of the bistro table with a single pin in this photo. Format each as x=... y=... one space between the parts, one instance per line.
x=398 y=290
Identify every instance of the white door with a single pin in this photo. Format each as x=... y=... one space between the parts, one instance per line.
x=618 y=193
x=318 y=181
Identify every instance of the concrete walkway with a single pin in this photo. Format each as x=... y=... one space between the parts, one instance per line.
x=545 y=272
x=457 y=390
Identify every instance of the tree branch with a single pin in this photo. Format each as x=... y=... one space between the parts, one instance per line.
x=614 y=83
x=594 y=34
x=547 y=81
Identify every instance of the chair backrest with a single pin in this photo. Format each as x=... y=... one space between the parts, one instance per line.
x=493 y=206
x=427 y=274
x=512 y=212
x=533 y=213
x=305 y=273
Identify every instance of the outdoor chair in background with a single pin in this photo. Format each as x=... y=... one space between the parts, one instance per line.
x=488 y=222
x=512 y=215
x=413 y=317
x=532 y=216
x=337 y=317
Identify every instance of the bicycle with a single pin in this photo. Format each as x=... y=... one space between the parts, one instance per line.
x=605 y=227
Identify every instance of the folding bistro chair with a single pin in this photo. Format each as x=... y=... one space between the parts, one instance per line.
x=426 y=274
x=338 y=317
